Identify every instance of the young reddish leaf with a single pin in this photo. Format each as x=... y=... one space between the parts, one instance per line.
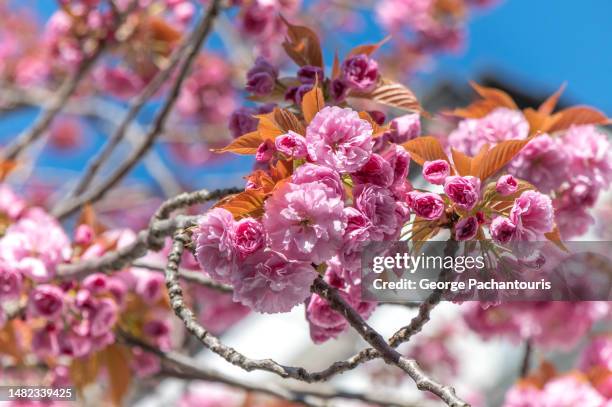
x=6 y=167
x=302 y=45
x=88 y=217
x=576 y=115
x=392 y=94
x=476 y=110
x=84 y=371
x=261 y=181
x=312 y=103
x=245 y=145
x=281 y=170
x=538 y=121
x=244 y=204
x=288 y=121
x=549 y=104
x=159 y=30
x=555 y=238
x=497 y=96
x=336 y=67
x=422 y=230
x=462 y=162
x=477 y=159
x=267 y=127
x=369 y=49
x=426 y=148
x=499 y=156
x=117 y=360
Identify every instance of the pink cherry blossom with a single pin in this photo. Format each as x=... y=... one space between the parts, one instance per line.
x=339 y=139
x=589 y=154
x=292 y=145
x=463 y=191
x=261 y=78
x=357 y=231
x=10 y=282
x=597 y=353
x=248 y=236
x=268 y=282
x=426 y=205
x=436 y=171
x=143 y=363
x=35 y=245
x=265 y=151
x=217 y=311
x=506 y=185
x=502 y=229
x=532 y=213
x=499 y=125
x=46 y=301
x=405 y=128
x=378 y=205
x=376 y=171
x=327 y=176
x=305 y=222
x=11 y=205
x=214 y=239
x=360 y=72
x=542 y=162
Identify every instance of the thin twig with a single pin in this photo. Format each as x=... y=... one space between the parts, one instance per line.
x=389 y=354
x=189 y=276
x=201 y=33
x=525 y=364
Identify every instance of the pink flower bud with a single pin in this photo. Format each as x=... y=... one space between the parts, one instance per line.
x=292 y=145
x=10 y=282
x=376 y=171
x=265 y=151
x=96 y=283
x=360 y=72
x=83 y=235
x=506 y=185
x=436 y=171
x=466 y=228
x=426 y=205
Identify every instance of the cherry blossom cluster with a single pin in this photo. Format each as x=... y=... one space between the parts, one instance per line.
x=345 y=190
x=573 y=166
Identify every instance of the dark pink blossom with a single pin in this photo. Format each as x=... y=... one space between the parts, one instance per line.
x=376 y=171
x=405 y=128
x=265 y=151
x=426 y=205
x=466 y=228
x=502 y=229
x=436 y=171
x=310 y=75
x=46 y=301
x=10 y=282
x=463 y=191
x=360 y=72
x=292 y=145
x=379 y=206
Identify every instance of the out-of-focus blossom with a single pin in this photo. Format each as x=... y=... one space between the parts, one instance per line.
x=426 y=205
x=533 y=215
x=542 y=162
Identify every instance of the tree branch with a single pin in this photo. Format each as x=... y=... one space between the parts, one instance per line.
x=200 y=35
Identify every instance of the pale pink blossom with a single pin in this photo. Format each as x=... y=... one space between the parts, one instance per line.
x=357 y=232
x=339 y=139
x=436 y=171
x=589 y=154
x=143 y=363
x=35 y=245
x=533 y=215
x=405 y=128
x=463 y=191
x=597 y=353
x=214 y=237
x=305 y=222
x=570 y=391
x=217 y=311
x=499 y=125
x=11 y=205
x=542 y=162
x=268 y=282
